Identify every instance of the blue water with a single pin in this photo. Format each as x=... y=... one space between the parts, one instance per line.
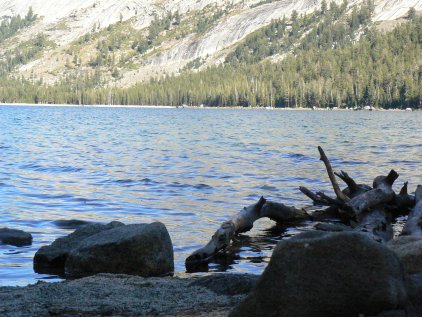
x=188 y=168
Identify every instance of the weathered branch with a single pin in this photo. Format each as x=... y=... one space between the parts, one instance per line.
x=281 y=213
x=353 y=189
x=403 y=202
x=413 y=225
x=350 y=182
x=329 y=200
x=242 y=222
x=340 y=195
x=382 y=193
x=318 y=200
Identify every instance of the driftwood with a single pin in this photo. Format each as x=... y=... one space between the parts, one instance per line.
x=381 y=193
x=340 y=195
x=243 y=222
x=413 y=225
x=352 y=189
x=358 y=207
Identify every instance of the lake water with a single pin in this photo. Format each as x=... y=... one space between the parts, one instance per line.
x=188 y=168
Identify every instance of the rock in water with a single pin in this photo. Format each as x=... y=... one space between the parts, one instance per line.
x=409 y=251
x=15 y=237
x=139 y=249
x=52 y=258
x=327 y=274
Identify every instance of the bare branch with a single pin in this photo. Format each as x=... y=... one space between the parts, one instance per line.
x=340 y=195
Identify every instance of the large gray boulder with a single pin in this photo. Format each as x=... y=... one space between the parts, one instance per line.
x=409 y=250
x=139 y=249
x=327 y=274
x=52 y=258
x=15 y=237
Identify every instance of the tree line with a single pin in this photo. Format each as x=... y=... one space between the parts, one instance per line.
x=340 y=60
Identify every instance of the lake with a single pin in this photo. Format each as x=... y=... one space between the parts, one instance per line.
x=189 y=168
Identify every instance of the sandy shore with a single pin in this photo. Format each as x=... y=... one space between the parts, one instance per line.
x=125 y=295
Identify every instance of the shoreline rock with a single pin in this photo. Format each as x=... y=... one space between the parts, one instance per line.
x=15 y=237
x=138 y=249
x=52 y=258
x=126 y=295
x=328 y=274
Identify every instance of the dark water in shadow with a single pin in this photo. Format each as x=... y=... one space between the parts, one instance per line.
x=188 y=168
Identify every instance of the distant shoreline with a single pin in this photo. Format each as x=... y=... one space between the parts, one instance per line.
x=193 y=107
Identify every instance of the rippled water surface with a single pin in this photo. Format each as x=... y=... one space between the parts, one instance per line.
x=188 y=168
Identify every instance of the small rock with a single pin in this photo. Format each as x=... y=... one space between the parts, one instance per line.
x=15 y=237
x=139 y=249
x=52 y=258
x=327 y=274
x=409 y=250
x=71 y=224
x=228 y=284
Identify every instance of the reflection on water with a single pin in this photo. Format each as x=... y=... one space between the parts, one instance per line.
x=188 y=168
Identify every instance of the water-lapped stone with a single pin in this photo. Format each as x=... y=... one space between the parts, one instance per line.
x=52 y=258
x=71 y=224
x=15 y=237
x=409 y=250
x=138 y=249
x=328 y=274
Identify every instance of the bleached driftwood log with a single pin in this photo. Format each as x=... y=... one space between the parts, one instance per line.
x=242 y=222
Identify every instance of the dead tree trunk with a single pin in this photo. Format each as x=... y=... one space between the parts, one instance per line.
x=242 y=222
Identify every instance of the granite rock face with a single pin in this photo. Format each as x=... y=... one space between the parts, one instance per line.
x=138 y=249
x=328 y=274
x=15 y=237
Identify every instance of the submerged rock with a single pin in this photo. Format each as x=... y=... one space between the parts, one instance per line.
x=138 y=249
x=328 y=274
x=15 y=237
x=71 y=224
x=409 y=250
x=52 y=258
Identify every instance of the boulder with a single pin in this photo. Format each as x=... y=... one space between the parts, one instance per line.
x=139 y=249
x=52 y=258
x=15 y=237
x=409 y=250
x=328 y=274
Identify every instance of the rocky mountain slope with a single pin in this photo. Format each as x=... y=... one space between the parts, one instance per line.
x=90 y=35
